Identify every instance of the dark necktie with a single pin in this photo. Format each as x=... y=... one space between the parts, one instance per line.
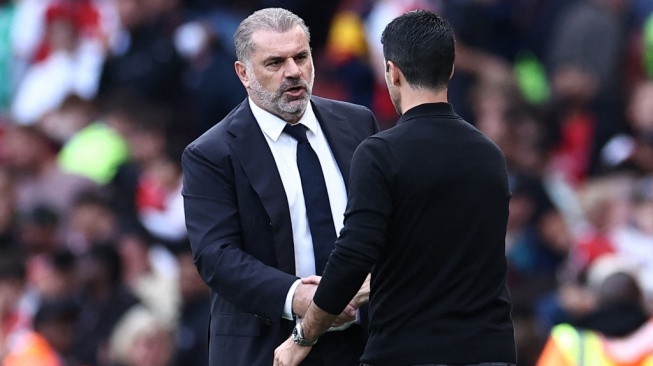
x=316 y=197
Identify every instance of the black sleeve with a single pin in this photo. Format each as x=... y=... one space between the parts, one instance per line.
x=363 y=236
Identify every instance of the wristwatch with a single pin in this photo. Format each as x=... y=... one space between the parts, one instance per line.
x=298 y=337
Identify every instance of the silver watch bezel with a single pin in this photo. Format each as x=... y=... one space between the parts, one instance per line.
x=298 y=337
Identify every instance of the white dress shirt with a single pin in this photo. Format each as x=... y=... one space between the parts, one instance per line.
x=284 y=151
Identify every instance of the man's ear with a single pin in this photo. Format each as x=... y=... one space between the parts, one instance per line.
x=453 y=68
x=241 y=71
x=394 y=73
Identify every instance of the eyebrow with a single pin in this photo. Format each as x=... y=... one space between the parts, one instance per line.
x=302 y=53
x=280 y=58
x=273 y=58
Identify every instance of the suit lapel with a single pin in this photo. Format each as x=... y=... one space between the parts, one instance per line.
x=253 y=153
x=335 y=128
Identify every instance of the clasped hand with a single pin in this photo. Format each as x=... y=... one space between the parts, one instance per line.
x=291 y=354
x=304 y=295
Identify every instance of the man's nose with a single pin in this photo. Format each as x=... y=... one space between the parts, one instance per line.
x=292 y=70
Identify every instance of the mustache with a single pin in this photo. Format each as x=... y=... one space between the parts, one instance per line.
x=293 y=83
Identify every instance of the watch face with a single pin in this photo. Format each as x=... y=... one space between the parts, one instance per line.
x=298 y=337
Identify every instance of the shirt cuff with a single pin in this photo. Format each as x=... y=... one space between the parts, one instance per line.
x=287 y=307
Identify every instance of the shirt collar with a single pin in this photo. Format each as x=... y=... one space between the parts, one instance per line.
x=428 y=109
x=273 y=126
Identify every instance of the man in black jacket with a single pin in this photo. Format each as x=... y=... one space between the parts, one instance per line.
x=427 y=214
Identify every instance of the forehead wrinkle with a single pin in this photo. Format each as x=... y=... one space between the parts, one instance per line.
x=271 y=44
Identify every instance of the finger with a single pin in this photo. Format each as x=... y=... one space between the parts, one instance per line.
x=344 y=318
x=341 y=321
x=350 y=310
x=313 y=279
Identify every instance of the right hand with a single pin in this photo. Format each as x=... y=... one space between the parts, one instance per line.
x=304 y=296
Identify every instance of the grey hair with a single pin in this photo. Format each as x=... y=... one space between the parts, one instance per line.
x=270 y=19
x=135 y=323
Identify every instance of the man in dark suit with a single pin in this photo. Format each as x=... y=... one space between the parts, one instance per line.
x=251 y=207
x=427 y=214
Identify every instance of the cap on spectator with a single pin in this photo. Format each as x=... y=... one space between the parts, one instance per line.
x=607 y=265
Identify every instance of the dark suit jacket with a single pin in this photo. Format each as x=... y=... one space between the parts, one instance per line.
x=239 y=226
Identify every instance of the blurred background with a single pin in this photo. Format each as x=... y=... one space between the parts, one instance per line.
x=98 y=98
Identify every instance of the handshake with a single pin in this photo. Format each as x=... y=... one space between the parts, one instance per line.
x=304 y=296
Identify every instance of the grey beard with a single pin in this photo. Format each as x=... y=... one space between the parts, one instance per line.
x=275 y=103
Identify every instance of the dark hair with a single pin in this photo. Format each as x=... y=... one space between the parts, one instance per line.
x=93 y=197
x=620 y=287
x=41 y=215
x=62 y=309
x=422 y=45
x=64 y=260
x=105 y=255
x=12 y=267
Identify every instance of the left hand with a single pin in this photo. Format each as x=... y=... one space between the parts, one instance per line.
x=290 y=353
x=362 y=297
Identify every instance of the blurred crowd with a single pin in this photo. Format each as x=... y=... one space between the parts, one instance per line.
x=98 y=98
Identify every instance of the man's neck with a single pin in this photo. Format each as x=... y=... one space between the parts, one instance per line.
x=413 y=97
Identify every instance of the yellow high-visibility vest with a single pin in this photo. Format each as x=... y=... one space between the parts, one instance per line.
x=585 y=348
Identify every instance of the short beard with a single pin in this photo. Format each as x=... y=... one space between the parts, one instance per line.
x=395 y=97
x=289 y=110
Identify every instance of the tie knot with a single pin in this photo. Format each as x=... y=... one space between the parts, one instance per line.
x=297 y=131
